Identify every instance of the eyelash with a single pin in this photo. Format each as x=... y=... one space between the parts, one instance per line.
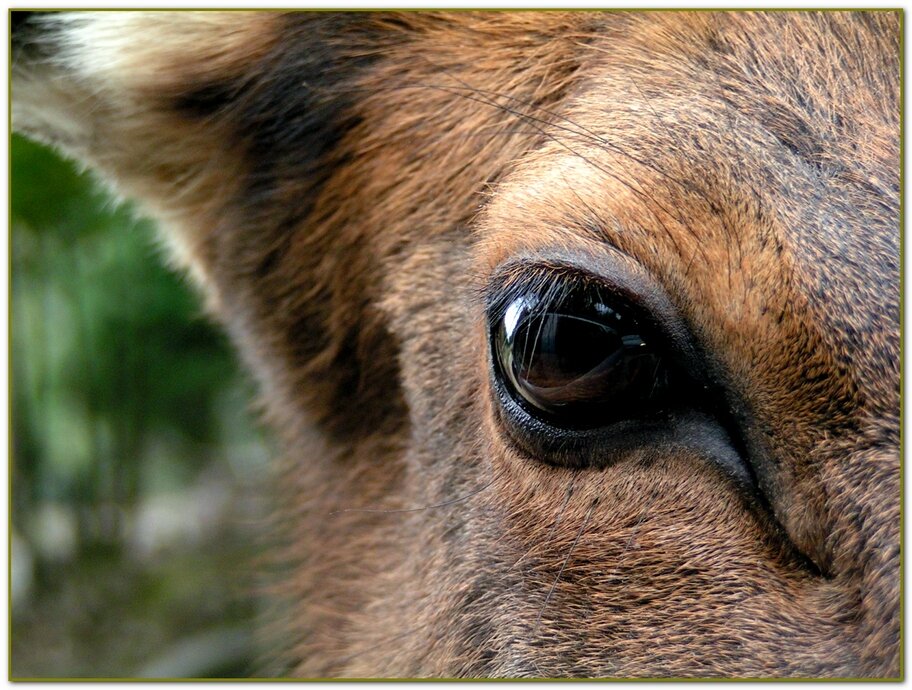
x=552 y=284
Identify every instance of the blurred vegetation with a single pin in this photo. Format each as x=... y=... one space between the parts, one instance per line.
x=135 y=461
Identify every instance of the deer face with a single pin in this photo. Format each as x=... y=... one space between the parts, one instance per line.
x=581 y=331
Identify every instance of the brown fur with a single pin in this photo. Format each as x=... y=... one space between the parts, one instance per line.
x=344 y=185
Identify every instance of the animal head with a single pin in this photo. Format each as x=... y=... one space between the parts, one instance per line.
x=580 y=331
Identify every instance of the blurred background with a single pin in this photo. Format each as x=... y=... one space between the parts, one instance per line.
x=136 y=462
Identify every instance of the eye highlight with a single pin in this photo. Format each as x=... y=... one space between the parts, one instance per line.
x=577 y=354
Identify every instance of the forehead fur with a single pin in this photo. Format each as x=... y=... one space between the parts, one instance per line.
x=732 y=146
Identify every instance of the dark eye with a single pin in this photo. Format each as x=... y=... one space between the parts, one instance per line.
x=587 y=367
x=579 y=356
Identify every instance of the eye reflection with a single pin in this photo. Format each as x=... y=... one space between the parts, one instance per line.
x=582 y=360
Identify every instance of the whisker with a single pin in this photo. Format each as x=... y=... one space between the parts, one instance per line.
x=554 y=526
x=559 y=574
x=564 y=564
x=629 y=184
x=580 y=130
x=540 y=124
x=633 y=534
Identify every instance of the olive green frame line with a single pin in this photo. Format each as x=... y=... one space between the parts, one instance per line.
x=902 y=300
x=459 y=9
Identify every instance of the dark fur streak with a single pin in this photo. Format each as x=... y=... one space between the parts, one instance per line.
x=207 y=99
x=29 y=39
x=291 y=126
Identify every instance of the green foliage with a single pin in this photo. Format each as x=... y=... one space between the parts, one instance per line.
x=131 y=445
x=111 y=355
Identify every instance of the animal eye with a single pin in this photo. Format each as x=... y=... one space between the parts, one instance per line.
x=583 y=358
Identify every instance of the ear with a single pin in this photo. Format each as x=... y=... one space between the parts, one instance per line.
x=180 y=110
x=223 y=127
x=290 y=157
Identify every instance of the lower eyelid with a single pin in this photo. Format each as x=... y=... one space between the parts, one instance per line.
x=694 y=433
x=714 y=443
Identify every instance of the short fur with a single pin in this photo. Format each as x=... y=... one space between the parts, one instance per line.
x=343 y=186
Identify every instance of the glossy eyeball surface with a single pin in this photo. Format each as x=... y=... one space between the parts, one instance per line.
x=584 y=359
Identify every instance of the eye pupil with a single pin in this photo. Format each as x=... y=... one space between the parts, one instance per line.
x=583 y=359
x=555 y=349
